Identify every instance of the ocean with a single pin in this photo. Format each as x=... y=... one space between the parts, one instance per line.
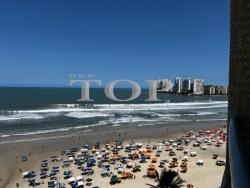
x=30 y=111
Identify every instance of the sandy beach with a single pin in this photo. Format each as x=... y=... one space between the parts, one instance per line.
x=42 y=147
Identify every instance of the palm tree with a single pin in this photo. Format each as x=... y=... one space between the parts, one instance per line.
x=170 y=179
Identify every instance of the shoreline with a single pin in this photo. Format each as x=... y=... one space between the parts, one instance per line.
x=125 y=131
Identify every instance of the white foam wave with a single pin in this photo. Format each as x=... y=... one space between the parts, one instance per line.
x=222 y=119
x=134 y=107
x=20 y=116
x=85 y=114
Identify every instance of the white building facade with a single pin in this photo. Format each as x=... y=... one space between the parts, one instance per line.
x=198 y=87
x=178 y=85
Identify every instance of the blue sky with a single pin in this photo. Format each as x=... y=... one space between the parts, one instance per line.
x=42 y=42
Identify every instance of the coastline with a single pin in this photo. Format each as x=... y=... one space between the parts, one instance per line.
x=42 y=146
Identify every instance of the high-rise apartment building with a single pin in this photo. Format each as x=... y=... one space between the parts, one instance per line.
x=198 y=87
x=178 y=85
x=186 y=86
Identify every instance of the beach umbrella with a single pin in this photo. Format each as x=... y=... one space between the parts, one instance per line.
x=66 y=173
x=124 y=156
x=130 y=164
x=104 y=171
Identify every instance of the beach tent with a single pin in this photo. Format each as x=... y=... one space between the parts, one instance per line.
x=103 y=149
x=118 y=147
x=204 y=147
x=71 y=159
x=171 y=141
x=160 y=144
x=72 y=179
x=185 y=158
x=167 y=144
x=99 y=156
x=84 y=150
x=200 y=162
x=79 y=178
x=192 y=154
x=51 y=184
x=78 y=154
x=80 y=183
x=25 y=174
x=120 y=170
x=174 y=145
x=143 y=150
x=104 y=172
x=139 y=145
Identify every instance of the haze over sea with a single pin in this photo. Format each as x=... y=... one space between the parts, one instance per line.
x=30 y=111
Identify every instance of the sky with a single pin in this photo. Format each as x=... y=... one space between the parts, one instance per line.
x=43 y=42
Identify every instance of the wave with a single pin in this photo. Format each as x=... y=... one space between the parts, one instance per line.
x=105 y=110
x=20 y=116
x=222 y=119
x=129 y=107
x=85 y=114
